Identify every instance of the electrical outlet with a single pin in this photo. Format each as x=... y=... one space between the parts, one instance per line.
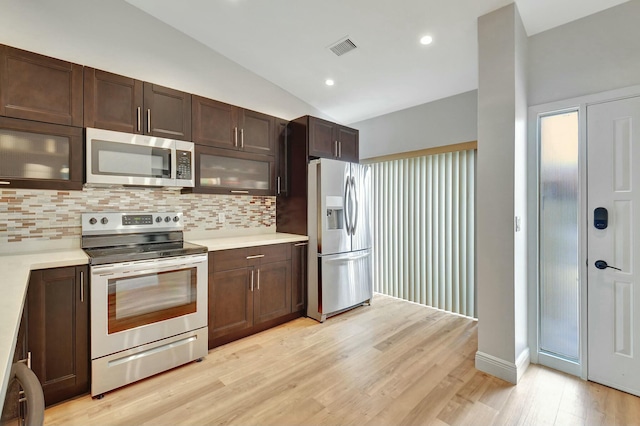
x=221 y=218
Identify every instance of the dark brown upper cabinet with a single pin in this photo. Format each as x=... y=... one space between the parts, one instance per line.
x=331 y=140
x=40 y=88
x=112 y=101
x=220 y=171
x=124 y=104
x=221 y=125
x=40 y=155
x=282 y=154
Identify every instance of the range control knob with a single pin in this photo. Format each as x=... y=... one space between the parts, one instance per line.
x=158 y=219
x=176 y=218
x=167 y=219
x=93 y=221
x=104 y=221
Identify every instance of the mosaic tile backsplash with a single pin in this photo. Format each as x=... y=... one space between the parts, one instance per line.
x=39 y=215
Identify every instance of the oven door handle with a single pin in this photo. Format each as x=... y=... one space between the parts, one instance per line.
x=149 y=267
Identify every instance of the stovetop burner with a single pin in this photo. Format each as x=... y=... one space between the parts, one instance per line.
x=125 y=237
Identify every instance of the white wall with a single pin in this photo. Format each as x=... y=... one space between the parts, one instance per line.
x=115 y=36
x=444 y=122
x=501 y=253
x=594 y=54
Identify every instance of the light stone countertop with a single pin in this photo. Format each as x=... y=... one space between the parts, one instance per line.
x=243 y=241
x=15 y=270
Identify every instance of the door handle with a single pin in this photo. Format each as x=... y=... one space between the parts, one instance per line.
x=347 y=214
x=139 y=118
x=235 y=137
x=601 y=264
x=258 y=279
x=252 y=280
x=148 y=120
x=242 y=138
x=357 y=204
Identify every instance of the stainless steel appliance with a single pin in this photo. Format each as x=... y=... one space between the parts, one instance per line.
x=116 y=158
x=148 y=296
x=339 y=221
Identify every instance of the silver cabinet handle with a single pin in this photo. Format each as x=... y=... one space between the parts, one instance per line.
x=252 y=280
x=301 y=244
x=256 y=256
x=139 y=112
x=235 y=137
x=81 y=286
x=278 y=180
x=148 y=121
x=339 y=149
x=258 y=279
x=239 y=192
x=4 y=182
x=242 y=138
x=335 y=148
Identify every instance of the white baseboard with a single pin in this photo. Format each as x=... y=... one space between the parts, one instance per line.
x=502 y=369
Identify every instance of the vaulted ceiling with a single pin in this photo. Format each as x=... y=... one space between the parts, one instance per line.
x=287 y=42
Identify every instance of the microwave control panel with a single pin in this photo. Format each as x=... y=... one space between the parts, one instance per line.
x=183 y=165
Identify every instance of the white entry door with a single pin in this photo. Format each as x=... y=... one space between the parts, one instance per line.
x=613 y=149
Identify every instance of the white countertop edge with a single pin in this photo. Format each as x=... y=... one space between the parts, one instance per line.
x=227 y=243
x=15 y=270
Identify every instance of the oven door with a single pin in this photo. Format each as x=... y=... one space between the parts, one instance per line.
x=134 y=303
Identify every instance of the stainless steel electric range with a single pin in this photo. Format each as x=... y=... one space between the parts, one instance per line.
x=148 y=296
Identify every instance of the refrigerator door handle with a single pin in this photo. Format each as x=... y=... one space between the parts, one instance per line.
x=347 y=211
x=354 y=194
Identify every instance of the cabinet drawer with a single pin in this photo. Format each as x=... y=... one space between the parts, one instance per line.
x=225 y=260
x=268 y=254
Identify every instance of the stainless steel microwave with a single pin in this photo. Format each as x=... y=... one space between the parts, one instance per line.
x=116 y=158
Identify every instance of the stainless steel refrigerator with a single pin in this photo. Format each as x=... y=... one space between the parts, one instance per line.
x=339 y=221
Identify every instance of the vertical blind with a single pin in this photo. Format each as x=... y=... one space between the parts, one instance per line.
x=424 y=217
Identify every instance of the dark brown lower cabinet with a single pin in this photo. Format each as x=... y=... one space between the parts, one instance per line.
x=299 y=277
x=57 y=331
x=272 y=295
x=230 y=302
x=250 y=290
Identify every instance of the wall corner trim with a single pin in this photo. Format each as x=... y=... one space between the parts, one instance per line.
x=508 y=371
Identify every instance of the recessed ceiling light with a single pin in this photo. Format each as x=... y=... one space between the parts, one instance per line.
x=426 y=40
x=329 y=82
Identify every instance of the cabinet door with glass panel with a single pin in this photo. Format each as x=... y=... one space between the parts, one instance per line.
x=220 y=171
x=40 y=155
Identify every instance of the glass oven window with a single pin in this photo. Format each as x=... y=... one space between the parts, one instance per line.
x=119 y=159
x=145 y=299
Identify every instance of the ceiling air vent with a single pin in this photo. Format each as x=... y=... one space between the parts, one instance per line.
x=342 y=47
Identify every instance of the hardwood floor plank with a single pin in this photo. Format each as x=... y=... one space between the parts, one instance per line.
x=390 y=363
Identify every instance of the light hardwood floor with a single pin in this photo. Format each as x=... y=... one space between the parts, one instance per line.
x=393 y=363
